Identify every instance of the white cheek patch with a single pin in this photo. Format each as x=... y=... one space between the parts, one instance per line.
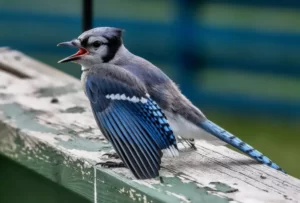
x=133 y=99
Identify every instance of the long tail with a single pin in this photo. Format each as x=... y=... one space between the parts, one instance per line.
x=227 y=137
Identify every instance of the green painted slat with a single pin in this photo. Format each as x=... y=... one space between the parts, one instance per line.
x=251 y=17
x=153 y=11
x=156 y=10
x=66 y=7
x=250 y=84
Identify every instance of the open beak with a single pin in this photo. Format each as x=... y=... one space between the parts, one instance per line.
x=81 y=51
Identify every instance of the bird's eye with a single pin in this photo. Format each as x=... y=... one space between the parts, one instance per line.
x=96 y=44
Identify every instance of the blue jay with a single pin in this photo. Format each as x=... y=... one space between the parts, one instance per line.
x=138 y=108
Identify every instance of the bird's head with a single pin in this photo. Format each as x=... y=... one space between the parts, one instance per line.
x=95 y=46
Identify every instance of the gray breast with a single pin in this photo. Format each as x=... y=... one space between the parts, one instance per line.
x=83 y=79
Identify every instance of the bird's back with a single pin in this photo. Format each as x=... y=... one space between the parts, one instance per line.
x=162 y=89
x=183 y=116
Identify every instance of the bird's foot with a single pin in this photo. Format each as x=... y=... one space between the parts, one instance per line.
x=191 y=142
x=187 y=143
x=111 y=164
x=111 y=155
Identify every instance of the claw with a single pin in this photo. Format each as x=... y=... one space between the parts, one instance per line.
x=191 y=142
x=185 y=142
x=112 y=155
x=111 y=164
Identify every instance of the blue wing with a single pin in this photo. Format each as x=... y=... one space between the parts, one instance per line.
x=131 y=121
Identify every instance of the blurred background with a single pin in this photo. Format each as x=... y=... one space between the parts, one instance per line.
x=239 y=61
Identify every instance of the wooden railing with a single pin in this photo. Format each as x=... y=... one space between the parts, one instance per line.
x=46 y=125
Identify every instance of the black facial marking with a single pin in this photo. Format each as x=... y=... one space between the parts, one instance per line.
x=113 y=46
x=84 y=42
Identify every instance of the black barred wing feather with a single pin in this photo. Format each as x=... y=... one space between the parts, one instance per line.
x=130 y=120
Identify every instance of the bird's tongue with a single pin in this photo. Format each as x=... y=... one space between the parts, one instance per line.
x=80 y=52
x=75 y=56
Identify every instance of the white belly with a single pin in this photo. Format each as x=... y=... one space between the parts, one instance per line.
x=183 y=128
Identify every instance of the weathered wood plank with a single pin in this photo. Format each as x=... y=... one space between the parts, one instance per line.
x=46 y=125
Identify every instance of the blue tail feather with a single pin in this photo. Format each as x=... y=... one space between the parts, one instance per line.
x=227 y=137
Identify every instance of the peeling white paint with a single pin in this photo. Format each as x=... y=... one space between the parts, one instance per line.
x=82 y=154
x=181 y=197
x=95 y=185
x=131 y=194
x=145 y=199
x=64 y=138
x=48 y=138
x=122 y=190
x=184 y=180
x=148 y=183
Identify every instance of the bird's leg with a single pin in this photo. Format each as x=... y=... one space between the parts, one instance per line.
x=187 y=141
x=161 y=180
x=191 y=142
x=109 y=163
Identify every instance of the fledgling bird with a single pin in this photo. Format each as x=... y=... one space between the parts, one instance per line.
x=138 y=107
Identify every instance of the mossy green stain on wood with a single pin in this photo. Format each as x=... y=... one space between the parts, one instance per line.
x=85 y=144
x=189 y=191
x=24 y=118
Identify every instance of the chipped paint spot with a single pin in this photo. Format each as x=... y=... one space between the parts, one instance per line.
x=184 y=180
x=188 y=191
x=93 y=156
x=122 y=190
x=148 y=183
x=56 y=91
x=222 y=187
x=95 y=184
x=84 y=144
x=181 y=197
x=75 y=109
x=64 y=138
x=131 y=194
x=145 y=198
